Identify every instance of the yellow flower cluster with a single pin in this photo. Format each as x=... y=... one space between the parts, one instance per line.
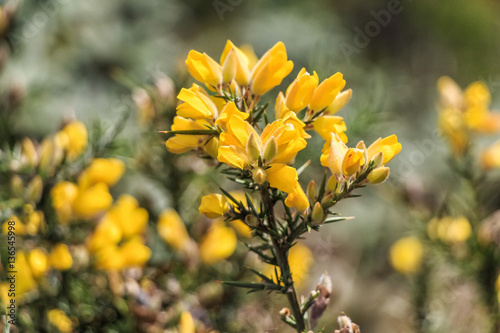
x=450 y=230
x=32 y=267
x=463 y=112
x=117 y=242
x=31 y=222
x=218 y=243
x=225 y=125
x=90 y=197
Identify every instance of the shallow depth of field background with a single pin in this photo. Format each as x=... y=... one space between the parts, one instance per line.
x=66 y=51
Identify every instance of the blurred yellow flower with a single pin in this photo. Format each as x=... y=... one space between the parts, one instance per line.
x=300 y=259
x=59 y=319
x=107 y=232
x=497 y=287
x=172 y=230
x=406 y=255
x=74 y=138
x=92 y=201
x=270 y=70
x=186 y=323
x=218 y=244
x=63 y=196
x=60 y=258
x=29 y=154
x=490 y=157
x=213 y=205
x=19 y=227
x=134 y=253
x=24 y=277
x=127 y=214
x=450 y=230
x=102 y=170
x=339 y=102
x=38 y=262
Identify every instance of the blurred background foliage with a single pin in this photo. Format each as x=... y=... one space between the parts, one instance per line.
x=74 y=59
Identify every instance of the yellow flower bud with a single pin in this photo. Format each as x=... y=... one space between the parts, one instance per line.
x=253 y=147
x=17 y=186
x=332 y=183
x=270 y=149
x=406 y=255
x=378 y=175
x=312 y=191
x=490 y=158
x=46 y=155
x=229 y=67
x=317 y=214
x=242 y=75
x=35 y=189
x=251 y=220
x=60 y=258
x=339 y=102
x=259 y=175
x=213 y=205
x=28 y=152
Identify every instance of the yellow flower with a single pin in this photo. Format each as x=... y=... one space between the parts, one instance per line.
x=326 y=92
x=339 y=102
x=38 y=261
x=172 y=230
x=300 y=258
x=241 y=146
x=218 y=244
x=63 y=196
x=242 y=63
x=297 y=198
x=105 y=170
x=127 y=214
x=74 y=139
x=59 y=319
x=270 y=70
x=333 y=155
x=406 y=255
x=134 y=253
x=353 y=161
x=490 y=158
x=92 y=201
x=213 y=205
x=19 y=227
x=450 y=230
x=186 y=323
x=24 y=277
x=197 y=104
x=227 y=112
x=452 y=125
x=389 y=146
x=203 y=68
x=326 y=125
x=182 y=143
x=60 y=258
x=300 y=92
x=107 y=232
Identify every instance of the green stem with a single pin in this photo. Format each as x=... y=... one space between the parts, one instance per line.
x=280 y=250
